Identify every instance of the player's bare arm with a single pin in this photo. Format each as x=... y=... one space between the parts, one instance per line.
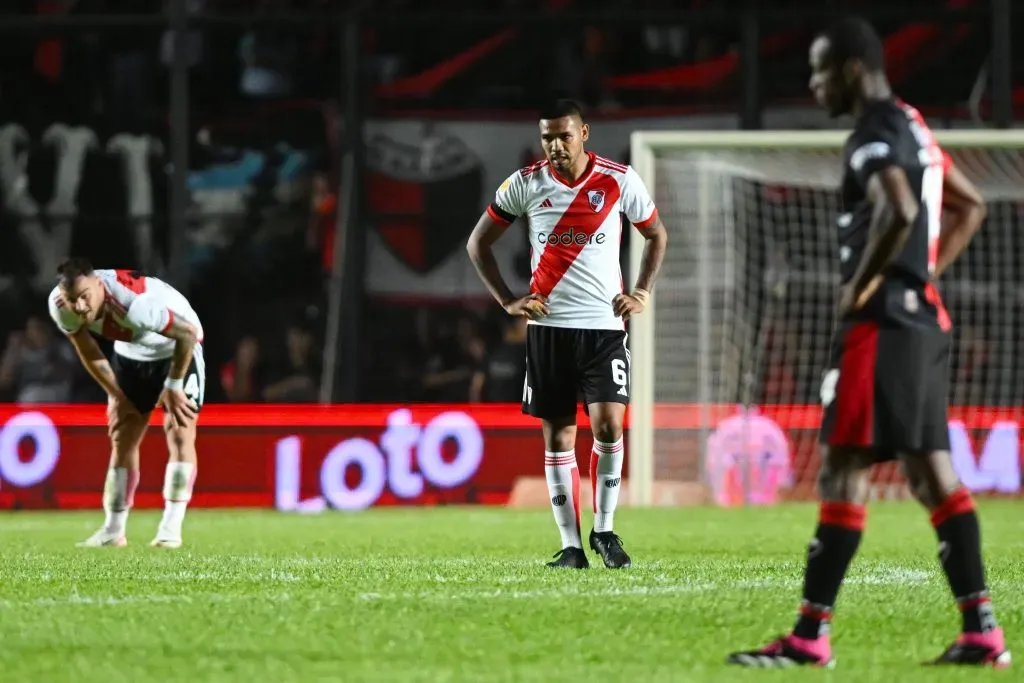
x=95 y=363
x=481 y=253
x=174 y=400
x=894 y=209
x=627 y=305
x=962 y=202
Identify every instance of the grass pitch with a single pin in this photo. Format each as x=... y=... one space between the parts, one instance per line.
x=459 y=594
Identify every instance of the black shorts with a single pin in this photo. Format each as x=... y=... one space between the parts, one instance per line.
x=565 y=364
x=143 y=381
x=887 y=390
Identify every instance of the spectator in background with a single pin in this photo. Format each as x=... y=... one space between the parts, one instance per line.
x=240 y=376
x=129 y=66
x=781 y=347
x=322 y=229
x=297 y=378
x=500 y=378
x=194 y=40
x=37 y=367
x=449 y=371
x=268 y=55
x=971 y=355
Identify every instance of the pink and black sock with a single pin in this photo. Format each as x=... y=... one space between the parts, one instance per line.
x=956 y=524
x=835 y=542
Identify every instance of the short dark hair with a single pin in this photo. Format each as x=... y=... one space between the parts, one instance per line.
x=562 y=107
x=72 y=269
x=854 y=38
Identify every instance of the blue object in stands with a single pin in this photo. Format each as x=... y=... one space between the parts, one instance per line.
x=240 y=173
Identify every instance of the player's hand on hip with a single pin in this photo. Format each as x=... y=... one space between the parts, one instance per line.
x=533 y=306
x=851 y=300
x=627 y=305
x=178 y=406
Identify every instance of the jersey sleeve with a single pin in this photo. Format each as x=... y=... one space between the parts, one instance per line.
x=67 y=321
x=872 y=150
x=148 y=314
x=636 y=201
x=509 y=200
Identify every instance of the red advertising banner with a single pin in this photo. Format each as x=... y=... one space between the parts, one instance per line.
x=310 y=458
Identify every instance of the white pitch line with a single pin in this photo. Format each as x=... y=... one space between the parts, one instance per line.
x=883 y=576
x=571 y=591
x=75 y=599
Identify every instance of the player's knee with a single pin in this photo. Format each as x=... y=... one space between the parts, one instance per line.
x=606 y=421
x=607 y=430
x=930 y=477
x=924 y=492
x=929 y=490
x=126 y=434
x=181 y=442
x=560 y=434
x=844 y=482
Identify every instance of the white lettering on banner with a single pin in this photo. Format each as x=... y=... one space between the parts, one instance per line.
x=409 y=456
x=71 y=145
x=998 y=467
x=135 y=152
x=40 y=429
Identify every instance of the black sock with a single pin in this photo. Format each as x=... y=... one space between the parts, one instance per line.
x=840 y=526
x=956 y=524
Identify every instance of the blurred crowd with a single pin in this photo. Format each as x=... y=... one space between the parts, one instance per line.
x=264 y=171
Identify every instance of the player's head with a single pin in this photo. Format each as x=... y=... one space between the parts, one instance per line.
x=562 y=134
x=841 y=58
x=80 y=287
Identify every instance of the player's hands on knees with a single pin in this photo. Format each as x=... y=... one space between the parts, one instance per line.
x=178 y=406
x=627 y=305
x=533 y=306
x=120 y=410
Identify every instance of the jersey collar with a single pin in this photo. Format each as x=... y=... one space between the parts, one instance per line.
x=583 y=177
x=111 y=304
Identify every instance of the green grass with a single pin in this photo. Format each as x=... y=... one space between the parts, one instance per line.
x=461 y=594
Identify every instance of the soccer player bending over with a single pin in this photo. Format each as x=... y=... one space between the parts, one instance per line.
x=885 y=393
x=158 y=359
x=576 y=339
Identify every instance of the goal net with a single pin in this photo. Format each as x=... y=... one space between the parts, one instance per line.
x=728 y=361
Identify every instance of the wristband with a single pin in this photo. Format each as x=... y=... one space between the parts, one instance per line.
x=174 y=384
x=642 y=295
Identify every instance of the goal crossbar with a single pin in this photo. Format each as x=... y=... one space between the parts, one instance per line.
x=644 y=149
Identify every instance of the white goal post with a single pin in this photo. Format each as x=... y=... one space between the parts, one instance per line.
x=741 y=311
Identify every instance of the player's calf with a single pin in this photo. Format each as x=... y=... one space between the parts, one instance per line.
x=935 y=484
x=563 y=479
x=126 y=433
x=118 y=498
x=981 y=640
x=606 y=458
x=179 y=479
x=843 y=485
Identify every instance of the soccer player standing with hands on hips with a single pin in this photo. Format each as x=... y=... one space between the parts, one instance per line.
x=158 y=359
x=576 y=343
x=885 y=392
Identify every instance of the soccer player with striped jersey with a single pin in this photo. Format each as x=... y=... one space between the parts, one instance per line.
x=573 y=202
x=158 y=359
x=884 y=394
